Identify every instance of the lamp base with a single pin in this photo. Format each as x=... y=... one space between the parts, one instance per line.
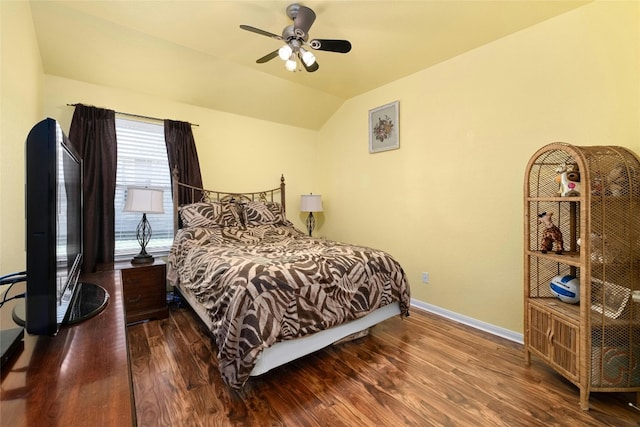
x=311 y=223
x=142 y=259
x=143 y=234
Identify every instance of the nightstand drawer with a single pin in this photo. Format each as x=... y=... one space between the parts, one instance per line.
x=142 y=286
x=144 y=291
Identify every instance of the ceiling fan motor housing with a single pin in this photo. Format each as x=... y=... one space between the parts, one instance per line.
x=289 y=34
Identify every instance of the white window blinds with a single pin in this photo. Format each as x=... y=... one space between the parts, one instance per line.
x=142 y=161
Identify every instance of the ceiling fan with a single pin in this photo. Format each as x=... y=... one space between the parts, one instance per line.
x=296 y=38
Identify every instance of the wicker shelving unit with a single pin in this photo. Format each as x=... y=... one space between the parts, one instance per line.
x=595 y=343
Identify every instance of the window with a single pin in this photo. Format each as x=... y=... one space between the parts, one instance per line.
x=142 y=161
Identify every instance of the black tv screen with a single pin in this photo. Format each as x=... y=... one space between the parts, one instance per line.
x=53 y=197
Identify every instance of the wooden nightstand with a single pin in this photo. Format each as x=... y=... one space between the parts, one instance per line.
x=144 y=290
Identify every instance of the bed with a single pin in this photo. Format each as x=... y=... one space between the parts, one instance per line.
x=268 y=292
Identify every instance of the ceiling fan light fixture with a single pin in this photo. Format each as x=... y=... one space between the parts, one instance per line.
x=285 y=52
x=291 y=63
x=307 y=57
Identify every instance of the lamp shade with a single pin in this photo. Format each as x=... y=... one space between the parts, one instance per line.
x=311 y=203
x=144 y=199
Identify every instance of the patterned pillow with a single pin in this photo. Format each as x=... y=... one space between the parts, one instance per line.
x=258 y=213
x=214 y=214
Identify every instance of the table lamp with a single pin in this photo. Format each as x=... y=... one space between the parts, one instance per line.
x=310 y=203
x=145 y=200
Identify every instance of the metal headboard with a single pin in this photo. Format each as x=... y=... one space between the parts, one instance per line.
x=223 y=196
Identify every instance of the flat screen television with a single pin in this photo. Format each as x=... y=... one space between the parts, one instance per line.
x=53 y=199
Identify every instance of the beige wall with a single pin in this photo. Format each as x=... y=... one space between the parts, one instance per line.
x=20 y=88
x=449 y=201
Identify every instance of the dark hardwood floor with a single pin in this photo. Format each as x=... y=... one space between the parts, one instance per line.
x=420 y=371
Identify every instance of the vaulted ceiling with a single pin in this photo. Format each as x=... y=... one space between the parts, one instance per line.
x=194 y=51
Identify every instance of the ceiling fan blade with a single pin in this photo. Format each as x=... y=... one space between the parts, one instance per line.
x=303 y=21
x=261 y=32
x=340 y=46
x=267 y=57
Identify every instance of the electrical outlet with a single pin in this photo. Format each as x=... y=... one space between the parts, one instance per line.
x=425 y=277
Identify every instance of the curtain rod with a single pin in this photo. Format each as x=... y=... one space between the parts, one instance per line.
x=134 y=115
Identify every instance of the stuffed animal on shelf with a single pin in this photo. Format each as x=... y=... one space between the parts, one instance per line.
x=616 y=181
x=597 y=183
x=550 y=234
x=606 y=251
x=569 y=180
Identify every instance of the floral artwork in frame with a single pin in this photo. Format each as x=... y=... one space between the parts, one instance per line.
x=384 y=131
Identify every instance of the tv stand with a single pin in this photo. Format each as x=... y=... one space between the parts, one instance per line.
x=91 y=300
x=80 y=376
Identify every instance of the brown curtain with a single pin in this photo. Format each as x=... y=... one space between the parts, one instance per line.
x=93 y=134
x=182 y=154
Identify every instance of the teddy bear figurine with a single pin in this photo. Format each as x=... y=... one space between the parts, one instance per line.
x=550 y=234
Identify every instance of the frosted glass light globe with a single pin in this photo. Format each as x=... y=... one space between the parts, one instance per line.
x=285 y=52
x=308 y=58
x=290 y=65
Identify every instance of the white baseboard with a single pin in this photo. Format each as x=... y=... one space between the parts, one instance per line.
x=469 y=321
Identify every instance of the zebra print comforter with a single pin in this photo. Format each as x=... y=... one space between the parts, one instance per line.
x=271 y=283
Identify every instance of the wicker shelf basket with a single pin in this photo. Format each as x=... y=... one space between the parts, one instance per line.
x=593 y=196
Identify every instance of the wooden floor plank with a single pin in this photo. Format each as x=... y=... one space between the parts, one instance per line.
x=423 y=370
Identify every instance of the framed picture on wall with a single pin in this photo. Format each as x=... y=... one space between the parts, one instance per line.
x=384 y=128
